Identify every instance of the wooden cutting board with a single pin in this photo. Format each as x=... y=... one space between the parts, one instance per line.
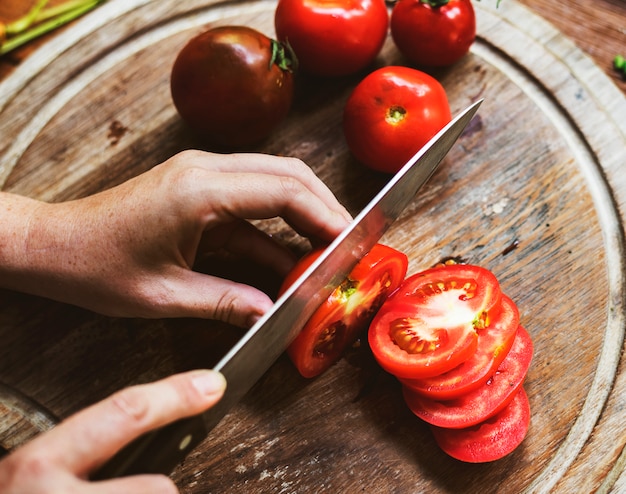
x=534 y=190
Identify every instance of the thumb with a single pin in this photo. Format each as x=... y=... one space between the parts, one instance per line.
x=210 y=297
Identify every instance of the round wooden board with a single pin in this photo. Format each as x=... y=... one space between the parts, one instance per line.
x=533 y=190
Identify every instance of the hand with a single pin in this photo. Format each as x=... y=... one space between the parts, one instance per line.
x=130 y=250
x=62 y=459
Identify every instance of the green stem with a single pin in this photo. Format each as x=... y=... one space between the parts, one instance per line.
x=60 y=9
x=619 y=63
x=24 y=22
x=283 y=56
x=64 y=17
x=435 y=3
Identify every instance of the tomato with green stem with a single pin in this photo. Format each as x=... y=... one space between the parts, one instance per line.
x=333 y=38
x=338 y=322
x=429 y=325
x=391 y=114
x=233 y=85
x=433 y=32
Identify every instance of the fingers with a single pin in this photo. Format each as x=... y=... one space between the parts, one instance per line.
x=208 y=297
x=86 y=440
x=256 y=186
x=245 y=240
x=137 y=484
x=270 y=165
x=259 y=196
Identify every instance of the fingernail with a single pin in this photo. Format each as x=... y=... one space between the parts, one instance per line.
x=263 y=307
x=253 y=319
x=347 y=216
x=209 y=382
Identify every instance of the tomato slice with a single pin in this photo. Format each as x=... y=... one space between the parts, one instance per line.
x=338 y=321
x=429 y=325
x=494 y=343
x=489 y=440
x=477 y=406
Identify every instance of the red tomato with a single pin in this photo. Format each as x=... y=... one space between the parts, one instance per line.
x=433 y=32
x=489 y=440
x=479 y=405
x=233 y=85
x=429 y=325
x=494 y=343
x=339 y=320
x=391 y=114
x=333 y=38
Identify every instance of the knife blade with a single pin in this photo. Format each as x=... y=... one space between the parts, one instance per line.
x=161 y=450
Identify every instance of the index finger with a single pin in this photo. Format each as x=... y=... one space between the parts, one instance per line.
x=279 y=166
x=260 y=196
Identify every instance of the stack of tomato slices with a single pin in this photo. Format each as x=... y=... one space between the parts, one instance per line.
x=455 y=342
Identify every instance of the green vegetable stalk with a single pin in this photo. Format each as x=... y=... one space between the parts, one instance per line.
x=41 y=20
x=619 y=62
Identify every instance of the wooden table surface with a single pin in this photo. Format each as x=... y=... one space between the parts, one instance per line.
x=544 y=184
x=598 y=27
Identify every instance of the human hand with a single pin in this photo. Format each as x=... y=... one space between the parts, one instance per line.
x=130 y=250
x=61 y=459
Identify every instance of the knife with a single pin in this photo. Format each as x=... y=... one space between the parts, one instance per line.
x=161 y=450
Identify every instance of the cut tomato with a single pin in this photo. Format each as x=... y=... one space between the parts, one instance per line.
x=338 y=321
x=482 y=403
x=494 y=343
x=489 y=440
x=429 y=325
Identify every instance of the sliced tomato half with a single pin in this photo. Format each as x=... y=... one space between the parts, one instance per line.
x=494 y=343
x=338 y=322
x=489 y=440
x=477 y=406
x=429 y=325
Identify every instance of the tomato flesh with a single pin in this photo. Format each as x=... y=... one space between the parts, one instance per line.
x=429 y=325
x=494 y=343
x=492 y=439
x=336 y=324
x=484 y=402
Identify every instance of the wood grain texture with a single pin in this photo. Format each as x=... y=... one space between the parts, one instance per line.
x=541 y=167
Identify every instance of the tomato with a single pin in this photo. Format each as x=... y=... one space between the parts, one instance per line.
x=429 y=325
x=332 y=37
x=433 y=32
x=233 y=85
x=477 y=406
x=338 y=321
x=391 y=114
x=489 y=440
x=494 y=343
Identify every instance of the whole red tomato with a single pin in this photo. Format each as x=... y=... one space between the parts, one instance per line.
x=433 y=32
x=233 y=85
x=333 y=38
x=391 y=114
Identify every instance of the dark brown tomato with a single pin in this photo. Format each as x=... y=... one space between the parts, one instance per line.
x=233 y=85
